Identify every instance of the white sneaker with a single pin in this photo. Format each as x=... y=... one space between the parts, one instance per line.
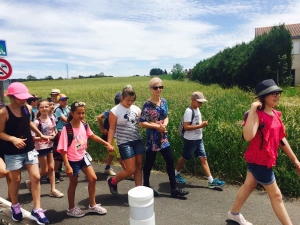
x=110 y=172
x=238 y=218
x=98 y=209
x=75 y=212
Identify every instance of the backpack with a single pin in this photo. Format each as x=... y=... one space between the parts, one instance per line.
x=58 y=107
x=70 y=132
x=106 y=126
x=181 y=124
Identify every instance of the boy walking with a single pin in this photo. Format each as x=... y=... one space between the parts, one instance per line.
x=193 y=141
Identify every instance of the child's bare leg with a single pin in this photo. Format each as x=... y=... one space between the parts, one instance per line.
x=244 y=192
x=277 y=203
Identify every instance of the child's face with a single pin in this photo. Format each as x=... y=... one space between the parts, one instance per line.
x=128 y=101
x=44 y=108
x=54 y=97
x=63 y=103
x=20 y=102
x=79 y=113
x=272 y=99
x=196 y=104
x=51 y=107
x=34 y=103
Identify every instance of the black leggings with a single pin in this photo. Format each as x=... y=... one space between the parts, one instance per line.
x=150 y=159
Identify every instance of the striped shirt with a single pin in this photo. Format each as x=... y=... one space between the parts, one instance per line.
x=127 y=128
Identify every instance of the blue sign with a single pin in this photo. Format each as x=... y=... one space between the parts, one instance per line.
x=3 y=51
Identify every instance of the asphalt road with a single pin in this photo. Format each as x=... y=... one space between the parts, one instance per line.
x=203 y=206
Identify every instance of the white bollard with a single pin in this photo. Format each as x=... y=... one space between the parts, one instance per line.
x=141 y=202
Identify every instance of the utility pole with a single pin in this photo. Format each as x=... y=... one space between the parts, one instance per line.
x=67 y=71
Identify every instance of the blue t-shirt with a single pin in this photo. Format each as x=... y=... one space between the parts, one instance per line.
x=106 y=114
x=33 y=114
x=58 y=114
x=153 y=113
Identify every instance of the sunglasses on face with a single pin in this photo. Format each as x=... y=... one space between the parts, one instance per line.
x=275 y=94
x=156 y=87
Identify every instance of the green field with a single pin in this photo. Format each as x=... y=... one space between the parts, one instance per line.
x=224 y=110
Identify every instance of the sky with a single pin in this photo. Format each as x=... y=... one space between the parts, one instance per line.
x=128 y=37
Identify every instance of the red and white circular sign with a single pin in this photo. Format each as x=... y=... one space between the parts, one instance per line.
x=5 y=69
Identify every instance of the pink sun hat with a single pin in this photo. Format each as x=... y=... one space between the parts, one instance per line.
x=18 y=90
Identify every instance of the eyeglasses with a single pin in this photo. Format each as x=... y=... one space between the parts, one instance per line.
x=79 y=104
x=156 y=87
x=275 y=94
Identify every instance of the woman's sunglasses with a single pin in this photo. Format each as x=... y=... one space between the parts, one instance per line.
x=156 y=87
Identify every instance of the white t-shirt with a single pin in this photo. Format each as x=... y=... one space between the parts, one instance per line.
x=127 y=128
x=197 y=133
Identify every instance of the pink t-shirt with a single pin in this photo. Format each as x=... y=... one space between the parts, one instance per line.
x=77 y=149
x=263 y=148
x=47 y=128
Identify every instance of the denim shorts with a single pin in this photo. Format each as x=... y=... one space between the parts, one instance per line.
x=16 y=162
x=44 y=152
x=262 y=174
x=77 y=166
x=191 y=147
x=131 y=149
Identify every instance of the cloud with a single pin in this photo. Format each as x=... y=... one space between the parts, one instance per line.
x=122 y=37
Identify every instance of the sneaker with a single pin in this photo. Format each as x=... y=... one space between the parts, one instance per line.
x=179 y=179
x=75 y=212
x=28 y=185
x=56 y=193
x=56 y=180
x=238 y=218
x=216 y=184
x=16 y=212
x=39 y=216
x=97 y=209
x=110 y=172
x=178 y=192
x=58 y=176
x=113 y=188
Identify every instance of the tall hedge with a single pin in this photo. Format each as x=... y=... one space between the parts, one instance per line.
x=246 y=64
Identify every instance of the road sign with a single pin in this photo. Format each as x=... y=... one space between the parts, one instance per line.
x=5 y=69
x=3 y=51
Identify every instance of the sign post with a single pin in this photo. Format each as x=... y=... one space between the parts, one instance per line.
x=5 y=73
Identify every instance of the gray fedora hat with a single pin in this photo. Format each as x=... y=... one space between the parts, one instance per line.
x=266 y=87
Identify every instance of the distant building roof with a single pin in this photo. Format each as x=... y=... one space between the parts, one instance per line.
x=293 y=28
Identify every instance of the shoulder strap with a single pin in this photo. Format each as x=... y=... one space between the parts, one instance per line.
x=85 y=125
x=40 y=124
x=70 y=133
x=193 y=115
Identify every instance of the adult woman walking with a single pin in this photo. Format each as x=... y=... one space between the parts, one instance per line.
x=154 y=117
x=123 y=120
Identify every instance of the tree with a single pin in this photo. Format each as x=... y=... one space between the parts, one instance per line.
x=30 y=77
x=60 y=78
x=177 y=72
x=268 y=56
x=156 y=71
x=49 y=77
x=166 y=71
